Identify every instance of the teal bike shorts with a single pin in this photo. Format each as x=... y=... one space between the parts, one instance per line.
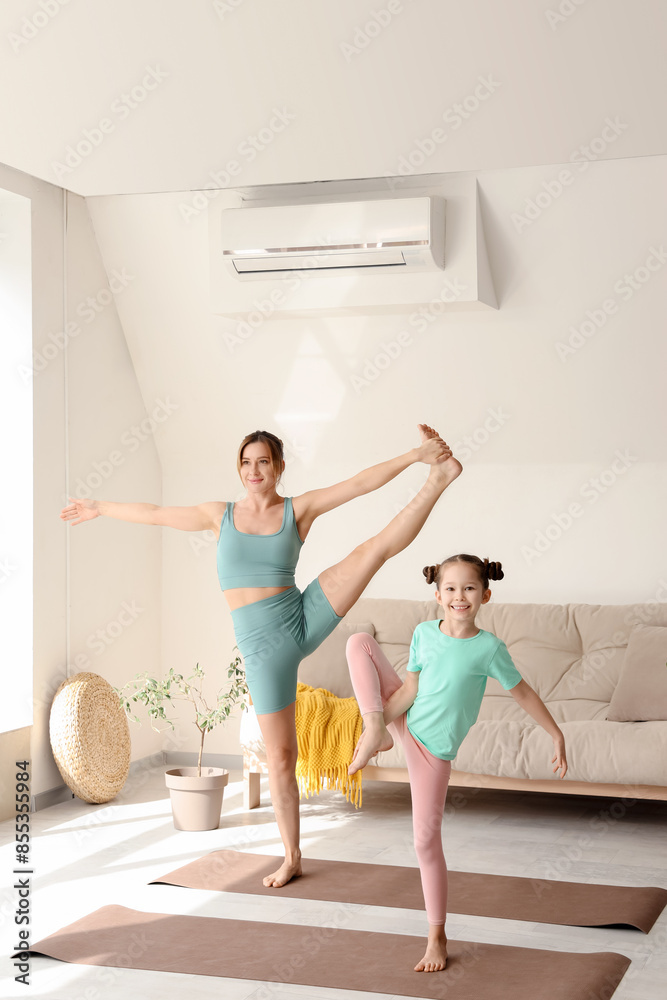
x=274 y=635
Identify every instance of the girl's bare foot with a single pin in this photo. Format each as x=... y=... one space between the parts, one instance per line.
x=287 y=871
x=374 y=738
x=435 y=958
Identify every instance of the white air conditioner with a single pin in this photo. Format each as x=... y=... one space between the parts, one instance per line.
x=397 y=234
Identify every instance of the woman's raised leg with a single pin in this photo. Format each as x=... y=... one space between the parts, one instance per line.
x=344 y=583
x=279 y=732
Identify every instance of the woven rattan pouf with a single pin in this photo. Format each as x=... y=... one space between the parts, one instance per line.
x=90 y=737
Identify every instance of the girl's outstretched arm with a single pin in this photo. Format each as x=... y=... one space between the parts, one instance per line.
x=531 y=702
x=198 y=518
x=310 y=505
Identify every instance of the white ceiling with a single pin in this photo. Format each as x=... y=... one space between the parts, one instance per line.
x=223 y=70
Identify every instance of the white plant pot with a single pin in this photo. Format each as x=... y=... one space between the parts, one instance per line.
x=196 y=801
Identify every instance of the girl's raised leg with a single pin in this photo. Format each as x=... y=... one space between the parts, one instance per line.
x=344 y=583
x=279 y=732
x=374 y=681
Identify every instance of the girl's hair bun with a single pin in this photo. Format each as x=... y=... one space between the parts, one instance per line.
x=494 y=570
x=431 y=573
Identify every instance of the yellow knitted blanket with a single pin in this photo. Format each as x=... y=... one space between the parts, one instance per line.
x=327 y=730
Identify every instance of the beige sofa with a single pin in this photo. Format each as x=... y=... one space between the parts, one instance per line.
x=574 y=655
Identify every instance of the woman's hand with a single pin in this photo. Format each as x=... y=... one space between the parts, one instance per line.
x=559 y=755
x=433 y=449
x=82 y=510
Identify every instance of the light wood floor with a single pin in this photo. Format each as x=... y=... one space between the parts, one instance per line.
x=88 y=856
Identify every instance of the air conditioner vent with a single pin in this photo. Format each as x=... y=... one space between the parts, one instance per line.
x=399 y=234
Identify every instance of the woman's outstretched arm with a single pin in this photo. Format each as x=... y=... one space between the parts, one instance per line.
x=199 y=518
x=310 y=505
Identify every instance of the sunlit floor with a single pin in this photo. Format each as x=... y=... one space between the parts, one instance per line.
x=85 y=857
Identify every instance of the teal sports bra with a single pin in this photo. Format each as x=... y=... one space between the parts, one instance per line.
x=246 y=560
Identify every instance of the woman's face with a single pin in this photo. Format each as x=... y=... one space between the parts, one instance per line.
x=257 y=473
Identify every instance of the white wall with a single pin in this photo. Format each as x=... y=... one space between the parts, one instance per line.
x=115 y=567
x=16 y=418
x=219 y=93
x=562 y=420
x=85 y=397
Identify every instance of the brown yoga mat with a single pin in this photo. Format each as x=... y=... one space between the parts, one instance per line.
x=324 y=956
x=578 y=904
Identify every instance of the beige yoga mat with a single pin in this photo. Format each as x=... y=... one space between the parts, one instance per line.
x=577 y=904
x=333 y=957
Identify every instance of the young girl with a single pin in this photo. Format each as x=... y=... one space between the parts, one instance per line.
x=433 y=709
x=275 y=624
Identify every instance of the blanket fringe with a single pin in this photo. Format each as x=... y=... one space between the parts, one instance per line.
x=328 y=729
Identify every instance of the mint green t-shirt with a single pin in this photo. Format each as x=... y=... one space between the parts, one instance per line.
x=452 y=680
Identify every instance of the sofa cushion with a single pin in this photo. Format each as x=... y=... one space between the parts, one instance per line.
x=641 y=693
x=327 y=666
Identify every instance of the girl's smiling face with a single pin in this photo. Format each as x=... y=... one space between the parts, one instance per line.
x=460 y=592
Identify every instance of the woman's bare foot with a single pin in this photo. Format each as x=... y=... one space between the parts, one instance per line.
x=374 y=738
x=444 y=473
x=437 y=453
x=435 y=958
x=287 y=871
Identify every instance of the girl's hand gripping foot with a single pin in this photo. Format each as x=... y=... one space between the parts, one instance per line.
x=374 y=738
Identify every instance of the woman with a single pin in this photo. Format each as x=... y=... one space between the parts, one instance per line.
x=259 y=539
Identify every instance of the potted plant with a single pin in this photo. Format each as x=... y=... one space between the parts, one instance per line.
x=196 y=793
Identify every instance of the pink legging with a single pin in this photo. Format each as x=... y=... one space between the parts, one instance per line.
x=374 y=680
